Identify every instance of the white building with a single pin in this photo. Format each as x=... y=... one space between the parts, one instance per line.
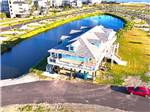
x=42 y=6
x=86 y=53
x=79 y=3
x=92 y=1
x=58 y=3
x=76 y=3
x=95 y=1
x=43 y=3
x=18 y=8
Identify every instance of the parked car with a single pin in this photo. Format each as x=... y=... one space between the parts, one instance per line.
x=141 y=91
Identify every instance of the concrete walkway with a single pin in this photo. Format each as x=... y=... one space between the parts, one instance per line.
x=24 y=79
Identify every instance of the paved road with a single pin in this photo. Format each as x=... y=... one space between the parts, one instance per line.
x=129 y=13
x=71 y=92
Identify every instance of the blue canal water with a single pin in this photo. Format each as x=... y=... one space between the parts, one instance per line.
x=26 y=54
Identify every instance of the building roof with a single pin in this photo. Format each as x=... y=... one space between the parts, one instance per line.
x=83 y=50
x=20 y=2
x=89 y=43
x=74 y=31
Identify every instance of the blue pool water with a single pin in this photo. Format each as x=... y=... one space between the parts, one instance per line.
x=29 y=52
x=79 y=59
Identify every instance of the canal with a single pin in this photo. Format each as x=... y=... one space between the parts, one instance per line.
x=26 y=54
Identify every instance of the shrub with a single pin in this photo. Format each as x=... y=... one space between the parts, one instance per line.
x=3 y=15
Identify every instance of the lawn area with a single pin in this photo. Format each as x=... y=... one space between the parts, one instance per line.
x=135 y=49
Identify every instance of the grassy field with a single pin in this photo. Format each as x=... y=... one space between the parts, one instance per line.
x=135 y=49
x=39 y=68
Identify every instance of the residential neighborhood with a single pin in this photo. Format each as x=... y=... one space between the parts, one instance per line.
x=23 y=8
x=75 y=55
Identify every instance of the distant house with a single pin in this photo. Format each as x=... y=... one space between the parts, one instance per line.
x=42 y=6
x=76 y=3
x=18 y=8
x=56 y=3
x=60 y=3
x=91 y=1
x=87 y=52
x=95 y=1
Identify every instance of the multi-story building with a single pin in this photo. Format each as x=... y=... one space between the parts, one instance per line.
x=86 y=53
x=15 y=8
x=42 y=6
x=59 y=3
x=76 y=3
x=95 y=1
x=42 y=3
x=18 y=8
x=56 y=3
x=92 y=1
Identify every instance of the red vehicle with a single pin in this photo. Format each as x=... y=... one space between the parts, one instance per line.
x=141 y=91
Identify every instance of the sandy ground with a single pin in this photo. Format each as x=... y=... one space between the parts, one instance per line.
x=66 y=107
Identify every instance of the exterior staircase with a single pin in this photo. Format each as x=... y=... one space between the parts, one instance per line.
x=118 y=60
x=112 y=55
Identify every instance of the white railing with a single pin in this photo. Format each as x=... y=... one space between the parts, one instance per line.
x=57 y=62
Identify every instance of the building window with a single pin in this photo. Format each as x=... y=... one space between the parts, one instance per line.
x=71 y=48
x=53 y=55
x=60 y=55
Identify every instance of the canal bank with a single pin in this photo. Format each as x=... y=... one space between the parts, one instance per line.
x=8 y=45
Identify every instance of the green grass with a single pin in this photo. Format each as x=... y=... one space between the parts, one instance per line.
x=41 y=108
x=135 y=49
x=39 y=68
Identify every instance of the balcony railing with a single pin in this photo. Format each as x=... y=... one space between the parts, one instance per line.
x=58 y=62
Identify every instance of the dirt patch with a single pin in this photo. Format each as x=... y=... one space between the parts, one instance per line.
x=66 y=107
